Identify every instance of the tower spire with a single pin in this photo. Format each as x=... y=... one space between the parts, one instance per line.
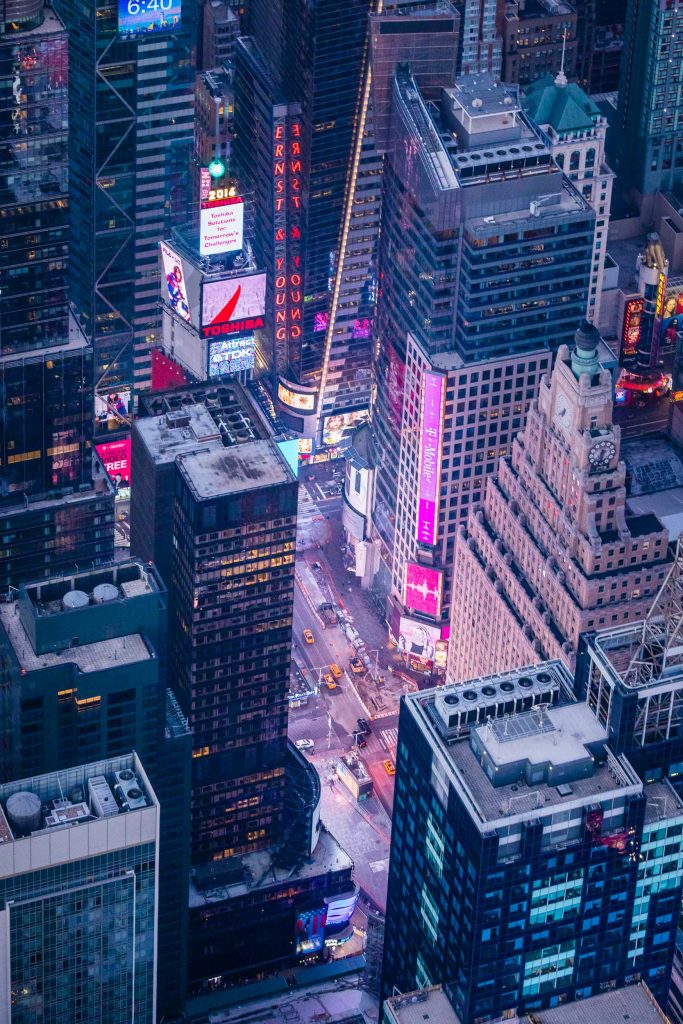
x=561 y=78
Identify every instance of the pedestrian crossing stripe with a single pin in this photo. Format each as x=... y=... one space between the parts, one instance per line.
x=390 y=739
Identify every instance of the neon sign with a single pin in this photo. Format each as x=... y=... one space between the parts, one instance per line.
x=630 y=333
x=287 y=279
x=431 y=436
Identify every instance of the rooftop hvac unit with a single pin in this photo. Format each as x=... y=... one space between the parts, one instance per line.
x=102 y=801
x=66 y=814
x=129 y=789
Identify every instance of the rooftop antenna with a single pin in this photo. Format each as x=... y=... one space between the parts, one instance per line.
x=561 y=78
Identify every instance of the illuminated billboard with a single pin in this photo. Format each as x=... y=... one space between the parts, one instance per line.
x=115 y=456
x=431 y=436
x=231 y=355
x=630 y=333
x=174 y=290
x=423 y=589
x=310 y=931
x=339 y=426
x=221 y=223
x=295 y=400
x=233 y=305
x=417 y=641
x=113 y=409
x=138 y=16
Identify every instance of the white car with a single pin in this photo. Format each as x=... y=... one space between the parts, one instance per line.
x=304 y=744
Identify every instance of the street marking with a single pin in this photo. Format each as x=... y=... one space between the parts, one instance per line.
x=390 y=739
x=378 y=865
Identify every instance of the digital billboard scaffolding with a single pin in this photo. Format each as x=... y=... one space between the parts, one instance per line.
x=139 y=16
x=431 y=437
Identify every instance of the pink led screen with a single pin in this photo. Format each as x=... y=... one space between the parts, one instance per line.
x=431 y=434
x=423 y=589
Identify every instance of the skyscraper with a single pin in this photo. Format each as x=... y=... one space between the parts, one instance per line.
x=530 y=864
x=130 y=144
x=554 y=551
x=52 y=516
x=484 y=266
x=83 y=677
x=481 y=41
x=539 y=36
x=233 y=500
x=78 y=895
x=575 y=130
x=648 y=132
x=310 y=59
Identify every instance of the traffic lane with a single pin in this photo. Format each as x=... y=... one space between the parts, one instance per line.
x=383 y=783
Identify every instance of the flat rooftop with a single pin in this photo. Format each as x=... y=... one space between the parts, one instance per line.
x=217 y=472
x=122 y=650
x=633 y=1003
x=261 y=872
x=170 y=435
x=430 y=1005
x=35 y=813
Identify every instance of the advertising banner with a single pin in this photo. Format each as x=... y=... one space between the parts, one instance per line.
x=113 y=409
x=417 y=640
x=233 y=305
x=341 y=425
x=295 y=400
x=139 y=16
x=115 y=456
x=431 y=437
x=221 y=223
x=174 y=289
x=423 y=589
x=231 y=355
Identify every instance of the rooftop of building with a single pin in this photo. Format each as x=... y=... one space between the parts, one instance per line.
x=565 y=107
x=655 y=480
x=481 y=95
x=44 y=620
x=427 y=1006
x=95 y=657
x=508 y=697
x=543 y=8
x=217 y=472
x=633 y=655
x=260 y=870
x=634 y=1003
x=361 y=451
x=42 y=809
x=50 y=23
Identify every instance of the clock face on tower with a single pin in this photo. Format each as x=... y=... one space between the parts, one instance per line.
x=601 y=454
x=562 y=412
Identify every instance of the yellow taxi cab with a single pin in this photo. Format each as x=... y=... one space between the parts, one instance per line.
x=389 y=767
x=336 y=671
x=329 y=681
x=308 y=637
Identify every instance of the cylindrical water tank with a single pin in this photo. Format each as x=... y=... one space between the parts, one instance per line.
x=24 y=812
x=104 y=592
x=75 y=599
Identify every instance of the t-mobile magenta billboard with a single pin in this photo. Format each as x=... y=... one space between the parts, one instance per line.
x=431 y=436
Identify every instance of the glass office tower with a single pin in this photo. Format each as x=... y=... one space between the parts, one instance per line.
x=648 y=129
x=130 y=145
x=529 y=865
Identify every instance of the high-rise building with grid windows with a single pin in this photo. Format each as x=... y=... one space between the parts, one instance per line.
x=78 y=895
x=530 y=864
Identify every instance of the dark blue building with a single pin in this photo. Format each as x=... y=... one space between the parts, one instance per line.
x=529 y=864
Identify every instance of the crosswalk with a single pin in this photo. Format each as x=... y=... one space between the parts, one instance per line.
x=308 y=509
x=389 y=738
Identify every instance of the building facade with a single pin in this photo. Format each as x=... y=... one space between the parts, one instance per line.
x=648 y=136
x=78 y=895
x=130 y=144
x=484 y=257
x=575 y=130
x=554 y=551
x=524 y=852
x=539 y=36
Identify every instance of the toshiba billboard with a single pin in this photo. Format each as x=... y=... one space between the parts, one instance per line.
x=233 y=305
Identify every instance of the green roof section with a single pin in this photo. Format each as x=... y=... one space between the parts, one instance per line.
x=562 y=105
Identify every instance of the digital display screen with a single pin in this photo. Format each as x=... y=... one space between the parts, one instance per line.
x=139 y=16
x=431 y=432
x=221 y=223
x=231 y=355
x=233 y=301
x=423 y=589
x=295 y=400
x=113 y=409
x=174 y=286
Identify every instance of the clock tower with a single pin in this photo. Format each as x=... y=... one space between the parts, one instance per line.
x=554 y=550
